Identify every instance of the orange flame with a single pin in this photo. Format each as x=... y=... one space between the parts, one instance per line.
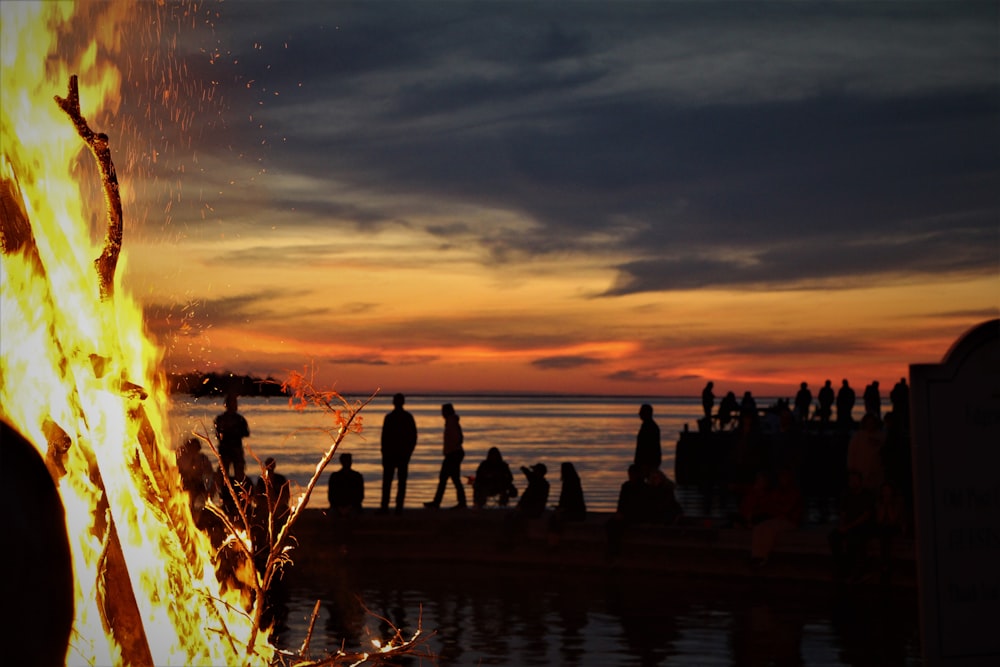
x=71 y=358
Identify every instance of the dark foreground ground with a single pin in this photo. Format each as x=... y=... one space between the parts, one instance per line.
x=469 y=539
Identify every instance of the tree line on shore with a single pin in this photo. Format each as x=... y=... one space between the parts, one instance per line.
x=220 y=384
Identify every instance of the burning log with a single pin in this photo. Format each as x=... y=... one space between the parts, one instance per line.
x=98 y=145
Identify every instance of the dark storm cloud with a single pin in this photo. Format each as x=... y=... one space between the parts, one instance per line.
x=714 y=145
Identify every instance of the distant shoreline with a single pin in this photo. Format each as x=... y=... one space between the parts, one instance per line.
x=219 y=384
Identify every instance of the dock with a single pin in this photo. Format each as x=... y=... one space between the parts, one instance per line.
x=488 y=537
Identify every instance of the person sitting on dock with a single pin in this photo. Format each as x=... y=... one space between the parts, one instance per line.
x=533 y=500
x=729 y=408
x=272 y=493
x=346 y=489
x=571 y=506
x=197 y=477
x=530 y=506
x=493 y=478
x=633 y=509
x=664 y=507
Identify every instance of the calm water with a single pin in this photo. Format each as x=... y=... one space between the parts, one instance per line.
x=500 y=617
x=524 y=617
x=597 y=435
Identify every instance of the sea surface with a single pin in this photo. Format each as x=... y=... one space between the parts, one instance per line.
x=524 y=617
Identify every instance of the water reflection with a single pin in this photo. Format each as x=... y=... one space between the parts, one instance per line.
x=505 y=617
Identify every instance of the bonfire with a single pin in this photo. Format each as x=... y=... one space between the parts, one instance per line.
x=81 y=381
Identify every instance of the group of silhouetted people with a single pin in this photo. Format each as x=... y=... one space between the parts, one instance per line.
x=493 y=479
x=647 y=497
x=262 y=505
x=767 y=473
x=731 y=411
x=761 y=474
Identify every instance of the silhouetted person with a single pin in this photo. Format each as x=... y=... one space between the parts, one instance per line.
x=748 y=407
x=900 y=397
x=346 y=488
x=197 y=476
x=451 y=467
x=845 y=404
x=632 y=509
x=571 y=506
x=530 y=506
x=708 y=402
x=532 y=502
x=729 y=409
x=648 y=453
x=825 y=398
x=37 y=582
x=230 y=428
x=873 y=399
x=664 y=507
x=243 y=500
x=399 y=439
x=803 y=402
x=270 y=510
x=493 y=478
x=273 y=491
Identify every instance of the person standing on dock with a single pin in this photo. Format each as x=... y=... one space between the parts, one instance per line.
x=399 y=439
x=900 y=397
x=230 y=428
x=648 y=453
x=825 y=398
x=708 y=402
x=845 y=404
x=803 y=402
x=873 y=400
x=453 y=455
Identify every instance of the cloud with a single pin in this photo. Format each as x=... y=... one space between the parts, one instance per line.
x=564 y=362
x=716 y=145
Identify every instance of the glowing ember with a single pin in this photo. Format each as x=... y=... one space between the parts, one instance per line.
x=76 y=367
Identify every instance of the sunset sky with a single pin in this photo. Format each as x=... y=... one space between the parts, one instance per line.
x=585 y=197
